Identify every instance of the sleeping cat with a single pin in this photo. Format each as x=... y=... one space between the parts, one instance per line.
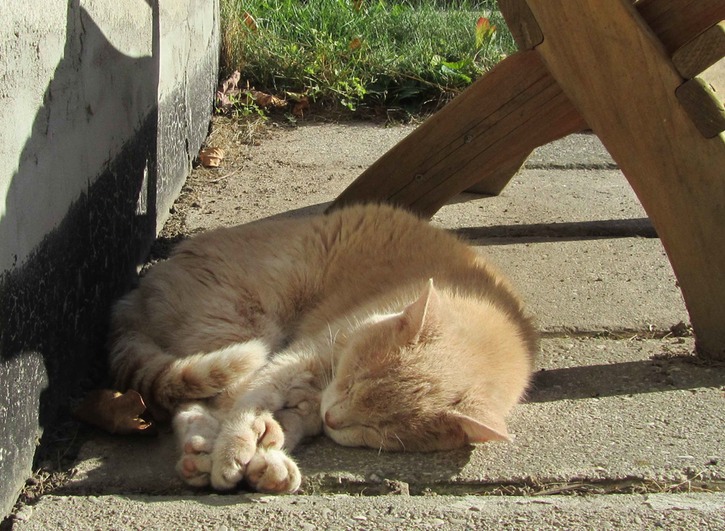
x=367 y=323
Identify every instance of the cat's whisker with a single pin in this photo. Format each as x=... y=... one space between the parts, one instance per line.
x=402 y=445
x=382 y=435
x=329 y=375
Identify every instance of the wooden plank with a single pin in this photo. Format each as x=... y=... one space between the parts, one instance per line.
x=521 y=23
x=498 y=120
x=527 y=34
x=702 y=52
x=499 y=177
x=628 y=98
x=677 y=21
x=408 y=164
x=702 y=98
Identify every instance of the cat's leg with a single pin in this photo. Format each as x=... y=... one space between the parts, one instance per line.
x=196 y=430
x=280 y=409
x=249 y=448
x=290 y=387
x=300 y=416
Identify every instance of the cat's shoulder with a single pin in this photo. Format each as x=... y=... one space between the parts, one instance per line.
x=376 y=212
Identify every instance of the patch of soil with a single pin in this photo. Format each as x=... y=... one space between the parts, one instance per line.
x=273 y=167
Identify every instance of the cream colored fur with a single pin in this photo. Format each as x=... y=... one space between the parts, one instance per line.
x=366 y=323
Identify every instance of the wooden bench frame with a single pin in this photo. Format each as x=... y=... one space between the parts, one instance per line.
x=610 y=66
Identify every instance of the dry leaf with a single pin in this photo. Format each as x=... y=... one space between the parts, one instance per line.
x=228 y=88
x=115 y=412
x=249 y=21
x=266 y=100
x=300 y=107
x=354 y=44
x=231 y=83
x=211 y=157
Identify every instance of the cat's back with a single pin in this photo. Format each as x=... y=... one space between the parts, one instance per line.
x=378 y=254
x=394 y=241
x=379 y=246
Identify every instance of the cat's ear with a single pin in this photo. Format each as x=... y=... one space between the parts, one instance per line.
x=491 y=429
x=419 y=316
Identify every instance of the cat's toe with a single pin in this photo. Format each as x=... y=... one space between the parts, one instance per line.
x=270 y=433
x=273 y=471
x=198 y=445
x=226 y=477
x=195 y=462
x=239 y=441
x=194 y=470
x=195 y=417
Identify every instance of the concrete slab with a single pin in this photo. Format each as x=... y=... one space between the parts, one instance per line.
x=298 y=170
x=552 y=203
x=608 y=413
x=623 y=285
x=307 y=513
x=602 y=414
x=578 y=151
x=572 y=240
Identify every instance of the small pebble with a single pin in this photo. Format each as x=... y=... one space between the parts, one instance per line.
x=24 y=513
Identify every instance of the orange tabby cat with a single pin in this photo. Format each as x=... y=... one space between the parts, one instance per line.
x=367 y=323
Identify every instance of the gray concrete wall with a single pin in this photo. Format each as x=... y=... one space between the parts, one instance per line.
x=103 y=106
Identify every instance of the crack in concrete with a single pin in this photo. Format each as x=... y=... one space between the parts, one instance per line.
x=633 y=485
x=572 y=166
x=557 y=231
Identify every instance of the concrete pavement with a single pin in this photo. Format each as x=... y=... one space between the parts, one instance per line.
x=620 y=411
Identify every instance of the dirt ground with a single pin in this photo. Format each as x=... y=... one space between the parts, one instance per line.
x=261 y=176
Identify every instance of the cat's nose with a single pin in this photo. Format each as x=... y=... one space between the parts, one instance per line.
x=330 y=421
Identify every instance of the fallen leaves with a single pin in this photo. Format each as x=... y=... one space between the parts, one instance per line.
x=265 y=100
x=230 y=94
x=249 y=21
x=302 y=103
x=355 y=44
x=211 y=157
x=115 y=412
x=228 y=91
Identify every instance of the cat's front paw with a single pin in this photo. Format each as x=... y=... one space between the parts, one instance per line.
x=196 y=431
x=194 y=465
x=271 y=470
x=238 y=442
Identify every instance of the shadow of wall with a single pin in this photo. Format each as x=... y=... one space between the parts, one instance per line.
x=55 y=302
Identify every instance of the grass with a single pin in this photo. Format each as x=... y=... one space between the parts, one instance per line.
x=362 y=53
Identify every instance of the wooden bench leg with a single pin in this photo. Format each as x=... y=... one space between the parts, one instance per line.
x=494 y=124
x=618 y=75
x=497 y=179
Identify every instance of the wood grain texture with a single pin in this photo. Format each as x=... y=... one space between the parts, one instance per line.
x=521 y=22
x=701 y=52
x=618 y=76
x=499 y=177
x=495 y=123
x=703 y=101
x=677 y=21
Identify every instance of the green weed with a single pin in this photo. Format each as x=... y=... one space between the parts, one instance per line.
x=354 y=53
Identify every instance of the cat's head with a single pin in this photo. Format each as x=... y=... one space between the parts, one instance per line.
x=397 y=386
